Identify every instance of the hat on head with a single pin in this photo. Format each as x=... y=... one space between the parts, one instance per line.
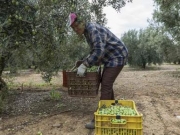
x=72 y=18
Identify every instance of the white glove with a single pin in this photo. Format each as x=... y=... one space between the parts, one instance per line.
x=81 y=70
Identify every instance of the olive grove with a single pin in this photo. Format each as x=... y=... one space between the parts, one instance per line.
x=35 y=33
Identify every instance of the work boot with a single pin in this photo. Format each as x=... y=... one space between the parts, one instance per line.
x=90 y=125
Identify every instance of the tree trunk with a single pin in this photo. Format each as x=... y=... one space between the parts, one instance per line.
x=144 y=65
x=3 y=85
x=64 y=78
x=2 y=64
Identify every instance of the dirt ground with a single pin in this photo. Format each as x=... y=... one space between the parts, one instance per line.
x=30 y=110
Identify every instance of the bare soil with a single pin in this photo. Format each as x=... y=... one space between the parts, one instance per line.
x=156 y=92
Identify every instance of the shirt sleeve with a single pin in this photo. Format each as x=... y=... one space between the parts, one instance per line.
x=98 y=47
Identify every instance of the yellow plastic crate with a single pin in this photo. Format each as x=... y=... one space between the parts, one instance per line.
x=104 y=126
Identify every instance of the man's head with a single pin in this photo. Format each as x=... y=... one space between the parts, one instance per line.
x=76 y=24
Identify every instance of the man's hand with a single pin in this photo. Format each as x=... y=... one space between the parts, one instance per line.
x=78 y=63
x=81 y=70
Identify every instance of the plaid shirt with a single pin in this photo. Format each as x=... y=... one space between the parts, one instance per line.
x=106 y=48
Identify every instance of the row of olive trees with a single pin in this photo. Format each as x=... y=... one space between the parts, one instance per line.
x=148 y=46
x=160 y=41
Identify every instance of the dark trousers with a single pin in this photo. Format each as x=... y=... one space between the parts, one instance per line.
x=109 y=76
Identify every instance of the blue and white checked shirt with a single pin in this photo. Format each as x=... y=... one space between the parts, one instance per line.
x=106 y=48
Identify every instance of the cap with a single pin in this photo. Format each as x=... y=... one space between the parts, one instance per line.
x=72 y=18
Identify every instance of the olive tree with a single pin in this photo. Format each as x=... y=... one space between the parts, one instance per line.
x=131 y=40
x=16 y=27
x=54 y=40
x=150 y=45
x=166 y=14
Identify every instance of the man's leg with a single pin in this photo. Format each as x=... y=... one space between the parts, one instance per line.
x=108 y=78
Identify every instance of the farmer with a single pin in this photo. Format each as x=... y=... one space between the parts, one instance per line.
x=106 y=49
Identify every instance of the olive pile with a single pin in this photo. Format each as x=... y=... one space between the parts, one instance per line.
x=92 y=69
x=117 y=110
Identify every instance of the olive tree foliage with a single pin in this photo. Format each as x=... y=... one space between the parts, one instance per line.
x=168 y=47
x=151 y=41
x=57 y=46
x=131 y=40
x=116 y=4
x=54 y=40
x=146 y=46
x=167 y=14
x=35 y=32
x=16 y=25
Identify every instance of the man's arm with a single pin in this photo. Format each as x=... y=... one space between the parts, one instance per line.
x=97 y=50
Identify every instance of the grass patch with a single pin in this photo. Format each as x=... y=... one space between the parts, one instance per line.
x=55 y=95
